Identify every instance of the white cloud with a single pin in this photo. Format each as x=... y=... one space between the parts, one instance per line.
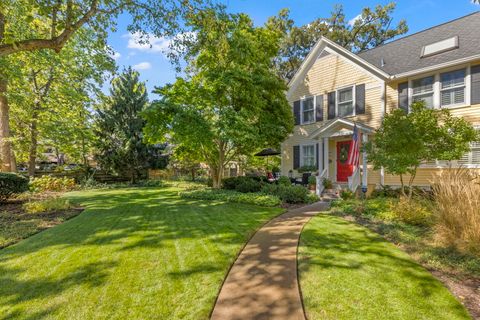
x=142 y=66
x=116 y=55
x=150 y=43
x=352 y=21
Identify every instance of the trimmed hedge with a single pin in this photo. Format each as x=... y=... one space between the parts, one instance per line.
x=232 y=196
x=11 y=184
x=243 y=184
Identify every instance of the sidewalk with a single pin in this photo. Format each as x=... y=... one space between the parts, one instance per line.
x=262 y=283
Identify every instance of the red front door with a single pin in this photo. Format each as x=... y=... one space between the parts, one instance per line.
x=343 y=169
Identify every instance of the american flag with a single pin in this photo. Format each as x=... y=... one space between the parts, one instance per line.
x=354 y=152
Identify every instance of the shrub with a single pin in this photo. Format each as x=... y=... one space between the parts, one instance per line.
x=249 y=185
x=346 y=194
x=243 y=184
x=11 y=184
x=288 y=194
x=411 y=211
x=284 y=181
x=49 y=183
x=457 y=199
x=49 y=205
x=389 y=192
x=386 y=192
x=312 y=198
x=150 y=183
x=232 y=196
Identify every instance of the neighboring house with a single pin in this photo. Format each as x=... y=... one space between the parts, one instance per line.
x=335 y=89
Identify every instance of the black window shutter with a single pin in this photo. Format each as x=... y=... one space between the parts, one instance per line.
x=475 y=89
x=403 y=96
x=296 y=157
x=296 y=111
x=360 y=99
x=317 y=160
x=331 y=105
x=319 y=108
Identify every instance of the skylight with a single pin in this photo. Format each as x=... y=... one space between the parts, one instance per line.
x=439 y=47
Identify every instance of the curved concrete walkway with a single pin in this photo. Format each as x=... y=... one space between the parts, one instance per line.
x=262 y=283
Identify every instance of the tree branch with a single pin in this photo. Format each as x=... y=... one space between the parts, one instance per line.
x=55 y=43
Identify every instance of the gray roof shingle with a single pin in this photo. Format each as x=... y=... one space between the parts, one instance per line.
x=404 y=54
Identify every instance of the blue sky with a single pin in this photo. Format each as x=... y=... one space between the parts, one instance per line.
x=156 y=70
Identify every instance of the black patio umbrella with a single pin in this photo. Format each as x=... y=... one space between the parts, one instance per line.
x=267 y=152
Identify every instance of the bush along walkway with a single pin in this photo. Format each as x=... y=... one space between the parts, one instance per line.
x=262 y=283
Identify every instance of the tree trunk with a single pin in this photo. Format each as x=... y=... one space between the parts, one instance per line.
x=13 y=161
x=32 y=153
x=5 y=145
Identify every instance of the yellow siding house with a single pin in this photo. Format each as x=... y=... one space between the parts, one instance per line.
x=334 y=90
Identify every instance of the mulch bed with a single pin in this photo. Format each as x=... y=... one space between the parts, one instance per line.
x=16 y=224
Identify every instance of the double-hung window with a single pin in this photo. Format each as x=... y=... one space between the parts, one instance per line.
x=422 y=90
x=452 y=88
x=308 y=155
x=308 y=111
x=345 y=102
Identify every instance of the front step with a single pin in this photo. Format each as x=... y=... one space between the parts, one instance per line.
x=329 y=196
x=333 y=194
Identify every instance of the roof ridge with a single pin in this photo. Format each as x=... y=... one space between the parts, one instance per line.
x=424 y=30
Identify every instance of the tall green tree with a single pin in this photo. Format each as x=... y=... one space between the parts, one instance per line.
x=119 y=125
x=31 y=26
x=51 y=93
x=231 y=102
x=404 y=141
x=371 y=28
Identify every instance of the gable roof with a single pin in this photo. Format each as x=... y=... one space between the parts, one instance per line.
x=317 y=51
x=403 y=55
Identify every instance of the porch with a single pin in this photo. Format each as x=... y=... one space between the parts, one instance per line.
x=334 y=141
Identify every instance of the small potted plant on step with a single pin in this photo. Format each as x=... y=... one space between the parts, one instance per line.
x=328 y=185
x=312 y=182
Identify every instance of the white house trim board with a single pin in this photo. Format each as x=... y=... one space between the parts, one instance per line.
x=339 y=121
x=435 y=67
x=313 y=55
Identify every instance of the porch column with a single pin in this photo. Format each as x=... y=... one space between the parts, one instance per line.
x=364 y=160
x=325 y=157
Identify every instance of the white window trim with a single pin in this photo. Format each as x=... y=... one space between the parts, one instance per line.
x=453 y=105
x=302 y=163
x=353 y=100
x=314 y=109
x=437 y=87
x=434 y=89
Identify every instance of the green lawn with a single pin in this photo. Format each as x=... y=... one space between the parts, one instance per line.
x=132 y=254
x=349 y=272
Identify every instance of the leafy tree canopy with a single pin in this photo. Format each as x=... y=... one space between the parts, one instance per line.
x=231 y=102
x=404 y=141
